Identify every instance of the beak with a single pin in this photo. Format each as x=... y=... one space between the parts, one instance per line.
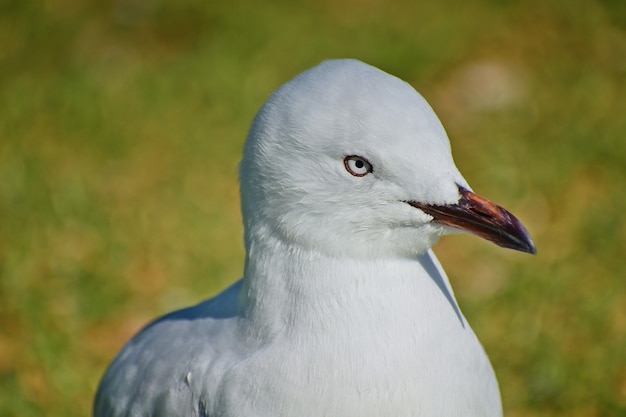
x=479 y=216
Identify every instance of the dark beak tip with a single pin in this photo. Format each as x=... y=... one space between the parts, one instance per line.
x=513 y=235
x=520 y=242
x=529 y=248
x=516 y=234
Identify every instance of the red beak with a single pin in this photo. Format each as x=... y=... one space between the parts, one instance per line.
x=479 y=216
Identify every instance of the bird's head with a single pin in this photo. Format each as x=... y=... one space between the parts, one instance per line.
x=348 y=160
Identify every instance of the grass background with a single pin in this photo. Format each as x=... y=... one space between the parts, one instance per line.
x=122 y=124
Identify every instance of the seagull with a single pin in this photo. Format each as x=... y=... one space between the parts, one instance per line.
x=347 y=181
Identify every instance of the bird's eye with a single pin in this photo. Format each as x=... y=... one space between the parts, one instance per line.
x=357 y=165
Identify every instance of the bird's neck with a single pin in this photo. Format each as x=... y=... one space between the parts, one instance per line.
x=288 y=287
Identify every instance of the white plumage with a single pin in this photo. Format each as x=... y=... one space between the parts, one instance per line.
x=347 y=181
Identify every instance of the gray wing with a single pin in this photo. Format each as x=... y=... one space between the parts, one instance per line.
x=171 y=366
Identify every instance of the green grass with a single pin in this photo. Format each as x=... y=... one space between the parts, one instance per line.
x=122 y=124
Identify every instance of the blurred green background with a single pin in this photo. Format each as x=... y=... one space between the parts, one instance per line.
x=122 y=124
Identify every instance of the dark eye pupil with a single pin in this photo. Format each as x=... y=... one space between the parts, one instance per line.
x=359 y=163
